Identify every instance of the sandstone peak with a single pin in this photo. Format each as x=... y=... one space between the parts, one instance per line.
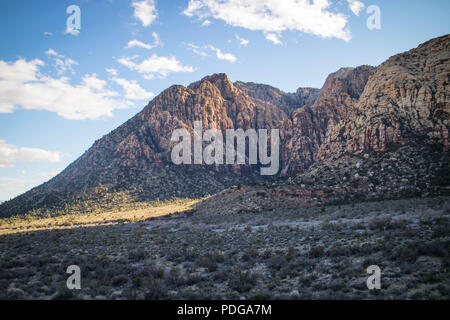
x=404 y=102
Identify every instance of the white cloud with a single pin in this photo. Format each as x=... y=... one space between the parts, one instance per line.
x=111 y=71
x=51 y=52
x=243 y=42
x=136 y=43
x=24 y=85
x=273 y=37
x=46 y=33
x=201 y=51
x=133 y=90
x=145 y=11
x=206 y=23
x=269 y=16
x=91 y=81
x=223 y=56
x=155 y=65
x=197 y=50
x=356 y=6
x=62 y=64
x=10 y=154
x=156 y=40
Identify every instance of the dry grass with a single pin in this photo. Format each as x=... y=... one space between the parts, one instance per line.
x=19 y=225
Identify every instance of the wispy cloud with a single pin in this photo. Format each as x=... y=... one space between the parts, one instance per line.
x=62 y=63
x=269 y=16
x=242 y=41
x=136 y=43
x=112 y=71
x=197 y=49
x=273 y=37
x=202 y=51
x=145 y=11
x=206 y=23
x=10 y=154
x=356 y=6
x=155 y=66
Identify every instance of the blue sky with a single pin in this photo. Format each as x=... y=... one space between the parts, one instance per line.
x=61 y=89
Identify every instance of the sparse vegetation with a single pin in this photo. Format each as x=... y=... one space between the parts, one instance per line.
x=165 y=253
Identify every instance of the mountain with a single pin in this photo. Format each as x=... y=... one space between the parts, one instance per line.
x=368 y=133
x=135 y=158
x=406 y=98
x=306 y=131
x=390 y=140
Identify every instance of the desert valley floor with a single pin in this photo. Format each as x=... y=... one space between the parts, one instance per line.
x=172 y=251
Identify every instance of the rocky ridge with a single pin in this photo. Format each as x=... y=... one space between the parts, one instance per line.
x=392 y=143
x=135 y=157
x=367 y=134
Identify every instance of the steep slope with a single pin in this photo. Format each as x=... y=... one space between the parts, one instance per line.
x=306 y=131
x=367 y=134
x=407 y=98
x=276 y=99
x=393 y=142
x=135 y=158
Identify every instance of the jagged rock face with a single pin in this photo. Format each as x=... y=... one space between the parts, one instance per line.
x=390 y=143
x=408 y=96
x=401 y=110
x=274 y=98
x=306 y=131
x=137 y=155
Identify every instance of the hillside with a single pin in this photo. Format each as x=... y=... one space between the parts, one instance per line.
x=393 y=143
x=369 y=133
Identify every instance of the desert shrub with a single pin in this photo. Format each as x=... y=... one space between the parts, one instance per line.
x=277 y=261
x=406 y=253
x=316 y=251
x=267 y=254
x=441 y=231
x=241 y=281
x=291 y=253
x=156 y=290
x=250 y=255
x=220 y=276
x=218 y=257
x=208 y=263
x=340 y=250
x=431 y=277
x=155 y=272
x=288 y=270
x=307 y=281
x=174 y=277
x=260 y=296
x=193 y=279
x=434 y=248
x=119 y=280
x=136 y=255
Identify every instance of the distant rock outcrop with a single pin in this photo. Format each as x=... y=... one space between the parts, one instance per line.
x=406 y=98
x=385 y=139
x=306 y=131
